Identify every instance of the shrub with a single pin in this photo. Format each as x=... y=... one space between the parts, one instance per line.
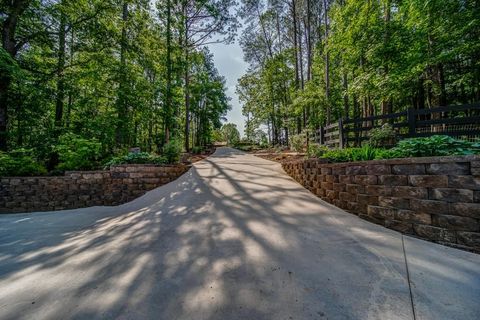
x=197 y=149
x=172 y=151
x=77 y=153
x=20 y=162
x=246 y=148
x=297 y=142
x=434 y=146
x=315 y=150
x=136 y=158
x=385 y=136
x=353 y=154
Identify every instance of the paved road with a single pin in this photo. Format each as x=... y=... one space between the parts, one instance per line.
x=234 y=238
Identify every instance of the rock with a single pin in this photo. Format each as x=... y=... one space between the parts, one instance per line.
x=451 y=195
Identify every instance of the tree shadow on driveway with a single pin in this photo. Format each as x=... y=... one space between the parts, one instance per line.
x=234 y=238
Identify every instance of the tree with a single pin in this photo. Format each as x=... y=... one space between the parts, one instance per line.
x=202 y=22
x=230 y=133
x=362 y=58
x=109 y=71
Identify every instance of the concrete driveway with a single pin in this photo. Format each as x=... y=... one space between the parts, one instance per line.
x=234 y=238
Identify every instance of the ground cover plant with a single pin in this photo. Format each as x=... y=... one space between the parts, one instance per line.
x=416 y=147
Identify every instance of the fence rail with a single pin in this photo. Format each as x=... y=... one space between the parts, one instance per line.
x=461 y=121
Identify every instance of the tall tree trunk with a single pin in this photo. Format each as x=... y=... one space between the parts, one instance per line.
x=9 y=27
x=441 y=82
x=300 y=65
x=295 y=43
x=187 y=85
x=386 y=102
x=60 y=98
x=327 y=64
x=122 y=108
x=70 y=91
x=300 y=56
x=308 y=38
x=5 y=80
x=346 y=106
x=265 y=36
x=168 y=99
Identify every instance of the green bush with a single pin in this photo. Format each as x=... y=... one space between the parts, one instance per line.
x=136 y=158
x=385 y=136
x=172 y=151
x=197 y=149
x=354 y=154
x=77 y=153
x=20 y=163
x=246 y=148
x=433 y=146
x=297 y=142
x=315 y=150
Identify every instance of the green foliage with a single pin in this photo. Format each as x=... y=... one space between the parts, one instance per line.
x=77 y=153
x=385 y=136
x=20 y=162
x=298 y=142
x=434 y=146
x=197 y=149
x=113 y=71
x=316 y=151
x=217 y=136
x=172 y=151
x=136 y=158
x=416 y=147
x=247 y=147
x=230 y=134
x=354 y=154
x=362 y=59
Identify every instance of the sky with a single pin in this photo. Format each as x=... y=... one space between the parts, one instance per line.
x=229 y=62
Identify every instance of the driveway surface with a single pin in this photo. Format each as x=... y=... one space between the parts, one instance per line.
x=234 y=238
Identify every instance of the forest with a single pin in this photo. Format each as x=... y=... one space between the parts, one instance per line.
x=84 y=81
x=93 y=78
x=312 y=62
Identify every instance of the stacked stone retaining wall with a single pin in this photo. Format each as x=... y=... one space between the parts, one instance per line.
x=78 y=189
x=436 y=198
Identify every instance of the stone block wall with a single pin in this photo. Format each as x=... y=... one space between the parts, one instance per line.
x=437 y=199
x=78 y=189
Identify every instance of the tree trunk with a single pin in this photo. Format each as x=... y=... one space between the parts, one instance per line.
x=122 y=99
x=295 y=44
x=327 y=64
x=168 y=119
x=386 y=102
x=308 y=39
x=9 y=27
x=70 y=91
x=187 y=88
x=5 y=80
x=346 y=106
x=60 y=98
x=441 y=82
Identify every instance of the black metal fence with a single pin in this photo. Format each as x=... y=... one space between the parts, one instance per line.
x=462 y=121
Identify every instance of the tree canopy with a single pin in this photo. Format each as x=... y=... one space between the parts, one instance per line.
x=313 y=62
x=126 y=73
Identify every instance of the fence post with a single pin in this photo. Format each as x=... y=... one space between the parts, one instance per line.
x=411 y=122
x=340 y=134
x=322 y=137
